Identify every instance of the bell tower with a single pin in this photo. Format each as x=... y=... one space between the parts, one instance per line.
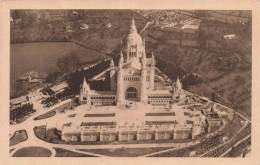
x=120 y=80
x=143 y=96
x=84 y=93
x=151 y=79
x=133 y=46
x=112 y=76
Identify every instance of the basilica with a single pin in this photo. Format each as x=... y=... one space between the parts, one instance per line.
x=133 y=79
x=135 y=84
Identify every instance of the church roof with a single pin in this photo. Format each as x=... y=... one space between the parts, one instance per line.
x=85 y=84
x=159 y=92
x=103 y=93
x=177 y=84
x=59 y=87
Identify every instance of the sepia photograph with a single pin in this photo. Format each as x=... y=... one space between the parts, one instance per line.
x=130 y=83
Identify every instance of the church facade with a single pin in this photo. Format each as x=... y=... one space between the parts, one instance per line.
x=133 y=79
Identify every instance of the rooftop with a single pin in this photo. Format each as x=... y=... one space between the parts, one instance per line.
x=213 y=116
x=59 y=87
x=18 y=100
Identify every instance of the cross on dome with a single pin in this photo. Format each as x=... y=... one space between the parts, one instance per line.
x=133 y=27
x=133 y=38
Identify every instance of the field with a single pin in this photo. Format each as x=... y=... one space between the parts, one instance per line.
x=125 y=152
x=32 y=152
x=18 y=137
x=65 y=153
x=42 y=57
x=46 y=115
x=224 y=73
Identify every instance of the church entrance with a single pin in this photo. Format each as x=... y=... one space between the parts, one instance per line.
x=131 y=94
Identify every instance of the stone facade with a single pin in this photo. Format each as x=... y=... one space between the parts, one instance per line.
x=133 y=78
x=127 y=133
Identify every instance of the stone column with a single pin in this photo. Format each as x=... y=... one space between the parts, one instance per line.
x=151 y=75
x=128 y=136
x=81 y=138
x=137 y=135
x=146 y=135
x=143 y=95
x=119 y=136
x=192 y=134
x=174 y=135
x=110 y=137
x=156 y=135
x=101 y=136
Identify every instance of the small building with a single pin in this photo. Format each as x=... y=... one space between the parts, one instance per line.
x=75 y=13
x=59 y=88
x=213 y=120
x=84 y=26
x=18 y=20
x=33 y=77
x=49 y=26
x=109 y=25
x=212 y=117
x=69 y=29
x=230 y=36
x=18 y=101
x=70 y=134
x=204 y=99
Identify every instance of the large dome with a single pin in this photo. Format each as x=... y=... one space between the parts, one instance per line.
x=133 y=37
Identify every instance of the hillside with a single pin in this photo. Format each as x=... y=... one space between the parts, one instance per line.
x=66 y=25
x=221 y=71
x=217 y=68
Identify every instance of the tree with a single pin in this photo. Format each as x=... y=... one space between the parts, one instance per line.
x=68 y=63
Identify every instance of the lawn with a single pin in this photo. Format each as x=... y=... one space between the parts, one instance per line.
x=11 y=150
x=50 y=135
x=183 y=152
x=125 y=152
x=22 y=119
x=32 y=152
x=97 y=123
x=18 y=137
x=65 y=153
x=160 y=114
x=46 y=115
x=100 y=115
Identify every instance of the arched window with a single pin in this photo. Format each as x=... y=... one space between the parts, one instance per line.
x=131 y=93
